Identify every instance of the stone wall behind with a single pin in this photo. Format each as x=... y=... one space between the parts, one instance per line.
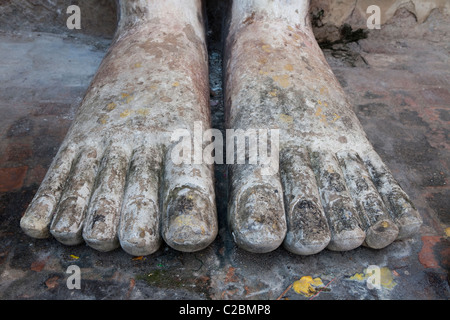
x=329 y=16
x=99 y=17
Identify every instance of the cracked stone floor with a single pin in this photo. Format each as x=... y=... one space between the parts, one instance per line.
x=398 y=80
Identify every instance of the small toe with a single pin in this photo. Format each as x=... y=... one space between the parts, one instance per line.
x=376 y=222
x=37 y=218
x=307 y=227
x=102 y=218
x=67 y=224
x=400 y=207
x=139 y=233
x=344 y=222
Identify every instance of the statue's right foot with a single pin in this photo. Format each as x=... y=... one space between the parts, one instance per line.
x=113 y=181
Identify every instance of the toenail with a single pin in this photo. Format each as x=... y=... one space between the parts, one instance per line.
x=259 y=224
x=187 y=225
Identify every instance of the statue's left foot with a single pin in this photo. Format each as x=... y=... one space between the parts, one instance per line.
x=332 y=189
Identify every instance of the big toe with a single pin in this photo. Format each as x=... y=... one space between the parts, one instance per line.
x=259 y=224
x=188 y=225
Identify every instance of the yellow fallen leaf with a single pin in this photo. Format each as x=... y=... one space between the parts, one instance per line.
x=307 y=285
x=359 y=276
x=386 y=279
x=74 y=257
x=138 y=258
